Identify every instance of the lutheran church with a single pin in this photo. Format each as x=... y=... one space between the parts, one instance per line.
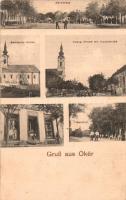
x=52 y=75
x=17 y=75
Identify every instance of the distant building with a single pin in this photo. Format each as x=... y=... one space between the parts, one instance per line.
x=17 y=75
x=53 y=74
x=120 y=76
x=30 y=126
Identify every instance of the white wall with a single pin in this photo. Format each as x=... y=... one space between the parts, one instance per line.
x=2 y=121
x=23 y=125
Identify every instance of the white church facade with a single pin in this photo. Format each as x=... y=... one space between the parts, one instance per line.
x=17 y=75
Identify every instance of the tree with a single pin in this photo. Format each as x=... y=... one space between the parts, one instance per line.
x=73 y=16
x=102 y=120
x=120 y=116
x=92 y=11
x=97 y=83
x=40 y=17
x=74 y=109
x=115 y=8
x=50 y=15
x=23 y=7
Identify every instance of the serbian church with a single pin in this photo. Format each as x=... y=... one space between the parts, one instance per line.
x=17 y=75
x=52 y=75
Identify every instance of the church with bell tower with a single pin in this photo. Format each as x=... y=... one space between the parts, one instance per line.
x=17 y=75
x=54 y=74
x=61 y=63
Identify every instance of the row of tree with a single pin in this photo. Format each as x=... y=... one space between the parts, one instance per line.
x=99 y=84
x=109 y=120
x=93 y=11
x=14 y=7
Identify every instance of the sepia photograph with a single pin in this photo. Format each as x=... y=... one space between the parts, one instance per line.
x=85 y=65
x=62 y=14
x=97 y=122
x=19 y=66
x=31 y=125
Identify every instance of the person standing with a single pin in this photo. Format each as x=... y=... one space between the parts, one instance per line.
x=92 y=135
x=57 y=25
x=65 y=24
x=96 y=136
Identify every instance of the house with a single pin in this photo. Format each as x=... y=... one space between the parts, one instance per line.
x=120 y=76
x=27 y=125
x=17 y=75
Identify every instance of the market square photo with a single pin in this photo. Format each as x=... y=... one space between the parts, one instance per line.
x=85 y=65
x=97 y=122
x=31 y=125
x=19 y=66
x=63 y=14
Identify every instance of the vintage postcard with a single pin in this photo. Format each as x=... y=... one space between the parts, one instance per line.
x=62 y=99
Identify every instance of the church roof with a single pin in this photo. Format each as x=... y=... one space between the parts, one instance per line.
x=51 y=72
x=20 y=69
x=122 y=69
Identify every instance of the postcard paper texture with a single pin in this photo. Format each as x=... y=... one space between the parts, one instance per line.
x=62 y=99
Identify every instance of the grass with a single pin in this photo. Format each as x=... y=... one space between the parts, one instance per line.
x=9 y=92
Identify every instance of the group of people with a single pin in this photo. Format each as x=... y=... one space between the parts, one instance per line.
x=94 y=135
x=65 y=22
x=120 y=136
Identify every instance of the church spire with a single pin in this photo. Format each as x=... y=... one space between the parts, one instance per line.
x=61 y=63
x=5 y=56
x=61 y=53
x=5 y=52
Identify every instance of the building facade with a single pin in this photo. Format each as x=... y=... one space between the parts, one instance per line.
x=120 y=76
x=26 y=126
x=17 y=75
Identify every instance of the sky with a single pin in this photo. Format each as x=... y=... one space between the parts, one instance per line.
x=21 y=49
x=87 y=58
x=84 y=116
x=51 y=5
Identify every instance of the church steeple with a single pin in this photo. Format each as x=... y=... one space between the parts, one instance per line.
x=5 y=52
x=5 y=56
x=61 y=53
x=61 y=62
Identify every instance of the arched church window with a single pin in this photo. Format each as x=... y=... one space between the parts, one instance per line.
x=34 y=76
x=4 y=76
x=28 y=76
x=60 y=64
x=11 y=76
